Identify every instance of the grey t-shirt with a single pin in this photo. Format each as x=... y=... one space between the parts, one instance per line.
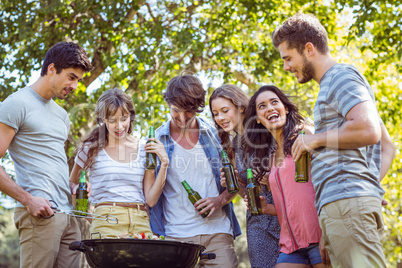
x=41 y=128
x=336 y=173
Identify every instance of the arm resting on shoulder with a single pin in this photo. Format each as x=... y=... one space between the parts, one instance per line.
x=361 y=128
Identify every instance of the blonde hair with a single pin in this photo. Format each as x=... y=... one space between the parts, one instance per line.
x=107 y=105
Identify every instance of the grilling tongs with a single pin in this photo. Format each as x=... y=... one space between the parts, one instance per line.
x=80 y=214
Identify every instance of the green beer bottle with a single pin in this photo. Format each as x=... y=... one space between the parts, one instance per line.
x=302 y=166
x=253 y=194
x=151 y=157
x=81 y=200
x=193 y=196
x=231 y=180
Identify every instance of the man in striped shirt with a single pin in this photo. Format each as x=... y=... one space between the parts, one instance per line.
x=351 y=148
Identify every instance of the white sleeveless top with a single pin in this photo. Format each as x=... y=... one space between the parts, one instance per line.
x=114 y=181
x=181 y=219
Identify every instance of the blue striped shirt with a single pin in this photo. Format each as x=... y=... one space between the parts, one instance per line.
x=338 y=173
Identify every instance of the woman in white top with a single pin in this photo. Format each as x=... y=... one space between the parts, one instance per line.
x=115 y=160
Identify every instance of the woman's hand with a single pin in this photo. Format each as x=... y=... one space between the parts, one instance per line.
x=223 y=178
x=265 y=207
x=157 y=147
x=89 y=188
x=73 y=188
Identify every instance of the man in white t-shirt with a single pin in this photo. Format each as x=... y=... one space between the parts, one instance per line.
x=194 y=155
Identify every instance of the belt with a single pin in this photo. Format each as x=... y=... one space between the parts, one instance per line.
x=127 y=205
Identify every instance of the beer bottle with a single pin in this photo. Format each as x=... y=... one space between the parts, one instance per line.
x=193 y=196
x=151 y=157
x=231 y=180
x=81 y=200
x=253 y=194
x=302 y=166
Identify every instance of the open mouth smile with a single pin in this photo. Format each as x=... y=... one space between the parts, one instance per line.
x=225 y=125
x=119 y=133
x=274 y=117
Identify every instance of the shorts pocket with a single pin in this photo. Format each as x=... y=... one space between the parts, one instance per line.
x=337 y=209
x=371 y=218
x=23 y=218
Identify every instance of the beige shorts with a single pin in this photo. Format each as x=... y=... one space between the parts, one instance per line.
x=220 y=244
x=130 y=221
x=45 y=242
x=352 y=230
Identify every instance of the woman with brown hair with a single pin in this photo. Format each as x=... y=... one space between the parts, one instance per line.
x=227 y=104
x=121 y=185
x=272 y=124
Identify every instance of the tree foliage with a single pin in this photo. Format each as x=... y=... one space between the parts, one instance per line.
x=9 y=246
x=140 y=45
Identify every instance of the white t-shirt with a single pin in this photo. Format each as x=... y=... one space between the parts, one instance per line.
x=181 y=219
x=114 y=181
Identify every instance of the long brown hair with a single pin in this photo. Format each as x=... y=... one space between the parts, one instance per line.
x=240 y=100
x=259 y=142
x=107 y=105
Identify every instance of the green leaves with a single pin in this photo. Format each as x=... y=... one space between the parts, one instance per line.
x=140 y=45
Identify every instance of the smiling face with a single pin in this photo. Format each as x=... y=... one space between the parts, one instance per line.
x=65 y=82
x=225 y=114
x=118 y=124
x=271 y=112
x=181 y=118
x=296 y=63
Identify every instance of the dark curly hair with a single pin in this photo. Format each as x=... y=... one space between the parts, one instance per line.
x=258 y=141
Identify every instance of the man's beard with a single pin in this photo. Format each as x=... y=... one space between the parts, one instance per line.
x=308 y=71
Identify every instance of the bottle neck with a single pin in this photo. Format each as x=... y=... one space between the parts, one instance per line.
x=189 y=191
x=151 y=133
x=187 y=187
x=250 y=176
x=83 y=179
x=250 y=180
x=225 y=161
